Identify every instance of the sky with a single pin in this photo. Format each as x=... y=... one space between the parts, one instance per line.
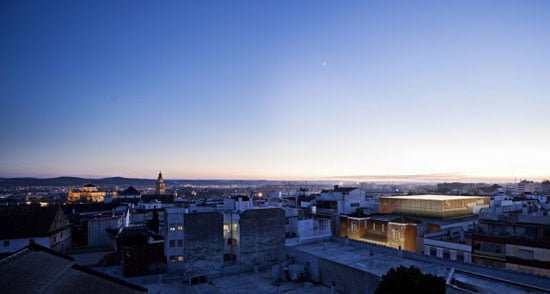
x=274 y=89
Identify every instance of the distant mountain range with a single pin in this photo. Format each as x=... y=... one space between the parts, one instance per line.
x=74 y=181
x=121 y=181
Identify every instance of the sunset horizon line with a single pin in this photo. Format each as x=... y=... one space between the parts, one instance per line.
x=405 y=178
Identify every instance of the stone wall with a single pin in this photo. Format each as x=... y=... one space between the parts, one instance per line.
x=203 y=244
x=262 y=236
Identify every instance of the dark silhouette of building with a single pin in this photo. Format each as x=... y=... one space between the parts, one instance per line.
x=36 y=269
x=47 y=226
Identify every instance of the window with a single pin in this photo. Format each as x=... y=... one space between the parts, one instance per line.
x=229 y=257
x=172 y=243
x=354 y=204
x=6 y=243
x=172 y=228
x=172 y=259
x=383 y=228
x=396 y=234
x=180 y=258
x=526 y=254
x=180 y=243
x=374 y=226
x=354 y=227
x=225 y=229
x=180 y=227
x=460 y=256
x=491 y=248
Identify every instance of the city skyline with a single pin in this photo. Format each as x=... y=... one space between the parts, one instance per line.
x=349 y=179
x=279 y=90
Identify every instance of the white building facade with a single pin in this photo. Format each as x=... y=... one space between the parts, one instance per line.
x=173 y=238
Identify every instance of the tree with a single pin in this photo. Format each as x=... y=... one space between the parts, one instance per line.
x=410 y=280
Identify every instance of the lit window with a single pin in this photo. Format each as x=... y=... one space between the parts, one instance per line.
x=354 y=228
x=172 y=228
x=180 y=227
x=180 y=258
x=225 y=229
x=396 y=235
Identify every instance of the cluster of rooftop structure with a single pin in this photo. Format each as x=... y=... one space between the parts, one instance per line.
x=300 y=235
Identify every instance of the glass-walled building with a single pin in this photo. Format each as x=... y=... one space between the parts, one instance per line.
x=439 y=206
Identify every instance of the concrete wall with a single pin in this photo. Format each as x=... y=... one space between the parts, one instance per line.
x=345 y=278
x=354 y=200
x=203 y=244
x=262 y=233
x=310 y=262
x=309 y=228
x=61 y=241
x=13 y=245
x=97 y=231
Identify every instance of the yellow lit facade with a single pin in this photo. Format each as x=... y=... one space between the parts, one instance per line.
x=439 y=206
x=88 y=193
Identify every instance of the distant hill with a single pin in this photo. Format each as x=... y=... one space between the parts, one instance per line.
x=121 y=181
x=75 y=181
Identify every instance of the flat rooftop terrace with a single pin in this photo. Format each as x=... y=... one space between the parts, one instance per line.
x=434 y=197
x=373 y=262
x=377 y=260
x=243 y=283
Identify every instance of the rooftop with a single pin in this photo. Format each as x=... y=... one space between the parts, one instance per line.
x=475 y=283
x=377 y=260
x=130 y=191
x=377 y=263
x=26 y=221
x=36 y=269
x=434 y=197
x=339 y=189
x=261 y=282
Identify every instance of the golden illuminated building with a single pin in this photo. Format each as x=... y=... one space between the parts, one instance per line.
x=438 y=206
x=88 y=193
x=394 y=232
x=161 y=186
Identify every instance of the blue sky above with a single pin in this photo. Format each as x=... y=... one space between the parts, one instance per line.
x=281 y=89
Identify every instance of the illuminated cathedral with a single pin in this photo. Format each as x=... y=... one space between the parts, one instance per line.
x=161 y=186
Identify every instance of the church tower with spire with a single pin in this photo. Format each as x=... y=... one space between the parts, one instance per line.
x=161 y=187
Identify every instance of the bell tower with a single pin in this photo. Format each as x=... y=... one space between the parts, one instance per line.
x=161 y=187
